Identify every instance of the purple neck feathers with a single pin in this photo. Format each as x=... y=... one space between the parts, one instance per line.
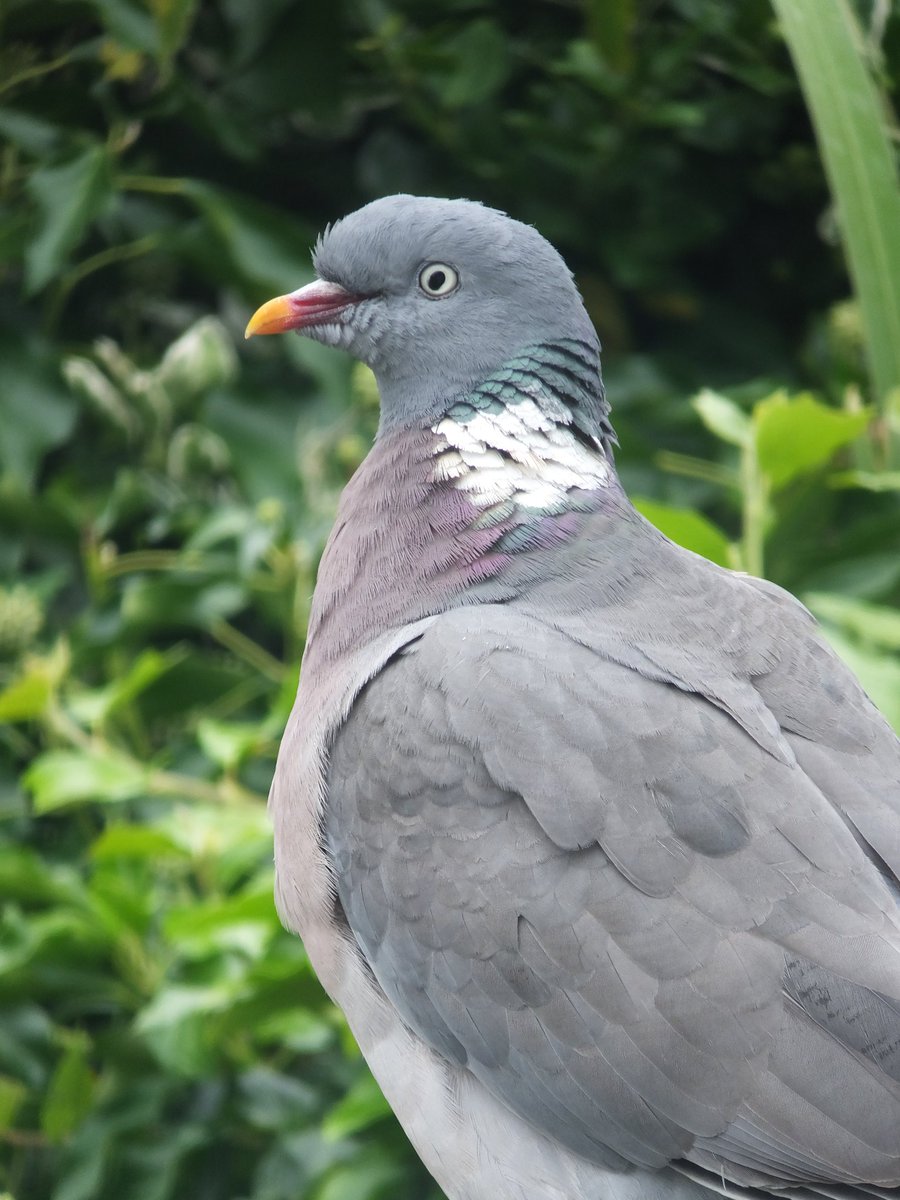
x=405 y=546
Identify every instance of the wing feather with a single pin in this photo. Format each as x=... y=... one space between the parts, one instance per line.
x=657 y=920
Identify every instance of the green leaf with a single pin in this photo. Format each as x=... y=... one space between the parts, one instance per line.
x=86 y=379
x=872 y=623
x=228 y=842
x=155 y=1168
x=297 y=1029
x=245 y=923
x=376 y=1177
x=361 y=1107
x=129 y=23
x=100 y=703
x=480 y=64
x=867 y=576
x=21 y=618
x=70 y=1092
x=611 y=24
x=688 y=528
x=13 y=1094
x=35 y=136
x=796 y=435
x=38 y=412
x=723 y=417
x=174 y=603
x=26 y=698
x=269 y=250
x=270 y=1100
x=879 y=675
x=201 y=359
x=68 y=197
x=262 y=442
x=41 y=675
x=227 y=744
x=63 y=777
x=26 y=877
x=850 y=122
x=870 y=481
x=174 y=19
x=134 y=842
x=180 y=1028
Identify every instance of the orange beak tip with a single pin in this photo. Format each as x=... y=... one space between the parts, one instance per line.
x=275 y=316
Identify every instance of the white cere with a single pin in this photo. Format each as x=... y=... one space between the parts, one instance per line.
x=438 y=279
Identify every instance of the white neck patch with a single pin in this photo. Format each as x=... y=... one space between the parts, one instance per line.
x=518 y=454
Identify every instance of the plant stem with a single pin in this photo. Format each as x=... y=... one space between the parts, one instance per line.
x=848 y=115
x=251 y=652
x=152 y=183
x=696 y=468
x=104 y=258
x=172 y=783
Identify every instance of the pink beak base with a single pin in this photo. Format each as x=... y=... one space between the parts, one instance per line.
x=314 y=304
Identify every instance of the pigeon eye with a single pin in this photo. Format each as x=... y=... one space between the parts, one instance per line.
x=438 y=279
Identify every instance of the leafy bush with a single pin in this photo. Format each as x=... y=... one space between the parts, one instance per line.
x=165 y=496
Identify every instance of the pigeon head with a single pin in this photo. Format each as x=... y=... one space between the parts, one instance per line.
x=434 y=295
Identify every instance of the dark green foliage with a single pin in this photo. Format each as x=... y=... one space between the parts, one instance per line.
x=165 y=491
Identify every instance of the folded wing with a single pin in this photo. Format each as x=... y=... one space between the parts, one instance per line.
x=656 y=919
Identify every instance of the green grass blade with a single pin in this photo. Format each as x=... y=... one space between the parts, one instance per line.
x=849 y=119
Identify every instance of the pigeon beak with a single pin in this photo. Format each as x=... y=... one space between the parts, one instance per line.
x=316 y=304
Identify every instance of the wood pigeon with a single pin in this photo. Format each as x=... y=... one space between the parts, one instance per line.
x=595 y=843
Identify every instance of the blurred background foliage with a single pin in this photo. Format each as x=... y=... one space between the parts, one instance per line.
x=165 y=491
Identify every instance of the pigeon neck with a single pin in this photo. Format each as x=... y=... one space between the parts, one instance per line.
x=561 y=377
x=469 y=508
x=533 y=436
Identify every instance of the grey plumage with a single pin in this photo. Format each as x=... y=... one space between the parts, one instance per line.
x=596 y=844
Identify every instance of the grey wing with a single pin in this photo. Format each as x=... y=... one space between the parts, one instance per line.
x=840 y=740
x=645 y=933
